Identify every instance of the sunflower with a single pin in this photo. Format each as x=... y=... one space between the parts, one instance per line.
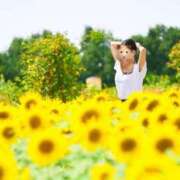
x=128 y=146
x=47 y=147
x=121 y=128
x=172 y=93
x=133 y=102
x=9 y=132
x=7 y=113
x=55 y=108
x=34 y=120
x=174 y=96
x=94 y=136
x=30 y=99
x=162 y=140
x=89 y=111
x=161 y=116
x=154 y=102
x=101 y=97
x=152 y=168
x=103 y=171
x=175 y=120
x=144 y=119
x=176 y=103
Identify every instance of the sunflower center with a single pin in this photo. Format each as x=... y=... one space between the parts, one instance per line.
x=123 y=128
x=173 y=95
x=163 y=144
x=35 y=122
x=8 y=132
x=128 y=144
x=152 y=105
x=176 y=103
x=4 y=115
x=30 y=103
x=152 y=170
x=104 y=176
x=1 y=172
x=162 y=118
x=88 y=115
x=94 y=135
x=46 y=146
x=133 y=104
x=177 y=123
x=55 y=111
x=101 y=98
x=145 y=122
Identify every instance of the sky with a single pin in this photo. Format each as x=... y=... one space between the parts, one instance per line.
x=21 y=18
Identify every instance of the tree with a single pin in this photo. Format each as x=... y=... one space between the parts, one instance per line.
x=9 y=61
x=174 y=59
x=51 y=66
x=158 y=42
x=96 y=56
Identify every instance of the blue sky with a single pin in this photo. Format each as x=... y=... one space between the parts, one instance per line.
x=123 y=18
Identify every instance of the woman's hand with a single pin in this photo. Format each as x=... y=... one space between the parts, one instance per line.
x=115 y=44
x=139 y=46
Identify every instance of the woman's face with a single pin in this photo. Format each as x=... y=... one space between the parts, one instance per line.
x=125 y=54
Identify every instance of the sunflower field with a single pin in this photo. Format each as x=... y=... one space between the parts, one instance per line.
x=94 y=137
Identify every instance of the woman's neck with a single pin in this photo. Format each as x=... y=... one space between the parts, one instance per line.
x=127 y=66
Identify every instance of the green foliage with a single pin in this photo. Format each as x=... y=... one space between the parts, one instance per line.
x=9 y=61
x=158 y=42
x=97 y=59
x=9 y=91
x=174 y=60
x=51 y=66
x=96 y=55
x=154 y=80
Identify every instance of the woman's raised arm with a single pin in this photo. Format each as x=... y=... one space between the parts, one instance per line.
x=115 y=45
x=142 y=55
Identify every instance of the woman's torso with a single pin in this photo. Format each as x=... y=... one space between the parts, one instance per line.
x=127 y=83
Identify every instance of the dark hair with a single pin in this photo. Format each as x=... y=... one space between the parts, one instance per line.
x=130 y=43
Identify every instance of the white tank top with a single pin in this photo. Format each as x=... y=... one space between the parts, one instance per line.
x=128 y=83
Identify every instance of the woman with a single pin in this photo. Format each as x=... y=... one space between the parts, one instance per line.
x=129 y=74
